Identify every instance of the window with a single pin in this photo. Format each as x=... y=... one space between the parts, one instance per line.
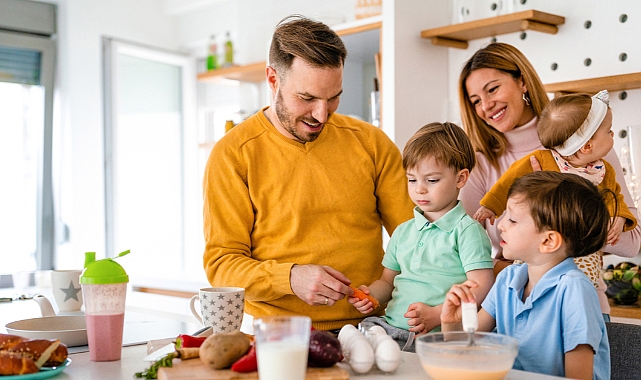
x=27 y=55
x=153 y=193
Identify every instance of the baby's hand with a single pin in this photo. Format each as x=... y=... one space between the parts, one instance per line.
x=615 y=229
x=362 y=304
x=422 y=317
x=483 y=213
x=451 y=312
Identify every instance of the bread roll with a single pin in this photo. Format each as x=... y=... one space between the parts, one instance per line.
x=16 y=364
x=43 y=352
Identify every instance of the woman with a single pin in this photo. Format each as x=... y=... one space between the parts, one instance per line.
x=501 y=97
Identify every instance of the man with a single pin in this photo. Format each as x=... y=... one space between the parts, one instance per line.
x=296 y=195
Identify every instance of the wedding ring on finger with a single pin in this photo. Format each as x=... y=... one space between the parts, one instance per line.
x=326 y=301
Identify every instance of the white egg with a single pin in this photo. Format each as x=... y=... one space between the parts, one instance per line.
x=361 y=355
x=378 y=330
x=380 y=338
x=346 y=333
x=388 y=355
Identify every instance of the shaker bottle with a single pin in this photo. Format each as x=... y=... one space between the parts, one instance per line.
x=104 y=287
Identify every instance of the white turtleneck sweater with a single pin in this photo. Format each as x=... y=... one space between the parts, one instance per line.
x=521 y=141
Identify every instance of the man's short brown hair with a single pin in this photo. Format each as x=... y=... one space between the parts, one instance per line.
x=309 y=40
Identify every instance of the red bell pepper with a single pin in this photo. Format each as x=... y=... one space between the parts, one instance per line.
x=247 y=363
x=186 y=341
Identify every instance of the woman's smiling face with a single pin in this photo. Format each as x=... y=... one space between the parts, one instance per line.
x=497 y=98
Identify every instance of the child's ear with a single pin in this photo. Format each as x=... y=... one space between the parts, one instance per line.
x=462 y=177
x=552 y=242
x=587 y=148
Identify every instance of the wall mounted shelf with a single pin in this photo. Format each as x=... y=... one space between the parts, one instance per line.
x=593 y=85
x=458 y=35
x=255 y=72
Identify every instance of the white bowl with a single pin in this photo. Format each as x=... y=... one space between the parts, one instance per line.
x=70 y=330
x=448 y=355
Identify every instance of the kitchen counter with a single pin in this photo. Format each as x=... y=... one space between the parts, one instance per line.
x=625 y=313
x=82 y=368
x=153 y=316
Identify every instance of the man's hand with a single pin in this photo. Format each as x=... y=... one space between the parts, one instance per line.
x=318 y=285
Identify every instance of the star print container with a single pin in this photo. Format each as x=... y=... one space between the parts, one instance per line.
x=220 y=308
x=104 y=289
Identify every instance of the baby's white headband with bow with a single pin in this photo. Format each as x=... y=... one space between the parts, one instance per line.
x=598 y=110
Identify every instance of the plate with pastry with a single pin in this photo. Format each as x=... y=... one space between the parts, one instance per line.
x=24 y=358
x=44 y=373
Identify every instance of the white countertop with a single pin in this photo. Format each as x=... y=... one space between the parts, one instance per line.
x=82 y=368
x=152 y=317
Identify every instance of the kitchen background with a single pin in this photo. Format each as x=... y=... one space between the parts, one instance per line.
x=132 y=126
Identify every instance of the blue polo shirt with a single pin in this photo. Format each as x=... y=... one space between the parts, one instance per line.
x=431 y=257
x=562 y=312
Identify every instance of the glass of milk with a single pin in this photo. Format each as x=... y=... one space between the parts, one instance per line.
x=282 y=344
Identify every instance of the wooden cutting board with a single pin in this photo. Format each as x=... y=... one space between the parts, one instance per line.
x=194 y=369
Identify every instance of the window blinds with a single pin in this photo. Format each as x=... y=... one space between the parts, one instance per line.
x=19 y=65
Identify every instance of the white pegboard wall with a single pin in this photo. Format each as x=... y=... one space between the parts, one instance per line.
x=603 y=43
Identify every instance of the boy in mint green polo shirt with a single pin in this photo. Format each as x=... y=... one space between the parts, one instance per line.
x=440 y=247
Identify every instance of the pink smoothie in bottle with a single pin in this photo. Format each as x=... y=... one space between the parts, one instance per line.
x=104 y=290
x=104 y=333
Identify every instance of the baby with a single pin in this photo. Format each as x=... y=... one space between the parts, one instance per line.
x=577 y=131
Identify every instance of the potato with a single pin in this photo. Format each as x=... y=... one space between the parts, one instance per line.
x=221 y=350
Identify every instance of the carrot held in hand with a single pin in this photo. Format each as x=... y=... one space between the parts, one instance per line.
x=361 y=296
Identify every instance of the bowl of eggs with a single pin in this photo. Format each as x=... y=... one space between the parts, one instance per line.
x=453 y=355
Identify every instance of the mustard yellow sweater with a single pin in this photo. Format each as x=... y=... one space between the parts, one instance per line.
x=271 y=202
x=496 y=198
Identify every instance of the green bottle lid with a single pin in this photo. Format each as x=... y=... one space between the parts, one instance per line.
x=105 y=271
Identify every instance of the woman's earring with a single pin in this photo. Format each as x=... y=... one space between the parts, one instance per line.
x=526 y=99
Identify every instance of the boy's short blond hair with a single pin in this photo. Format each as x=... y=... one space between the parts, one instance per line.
x=446 y=142
x=561 y=118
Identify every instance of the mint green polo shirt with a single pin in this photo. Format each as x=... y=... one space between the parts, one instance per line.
x=431 y=257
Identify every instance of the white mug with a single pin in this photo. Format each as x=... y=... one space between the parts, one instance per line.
x=67 y=292
x=221 y=308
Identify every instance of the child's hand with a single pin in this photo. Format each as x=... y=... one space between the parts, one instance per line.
x=423 y=318
x=365 y=305
x=615 y=229
x=483 y=213
x=451 y=312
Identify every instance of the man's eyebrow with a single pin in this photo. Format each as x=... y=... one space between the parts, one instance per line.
x=306 y=94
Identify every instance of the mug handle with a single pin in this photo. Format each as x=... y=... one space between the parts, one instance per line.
x=193 y=309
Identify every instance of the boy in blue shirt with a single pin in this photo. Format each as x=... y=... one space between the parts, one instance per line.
x=440 y=247
x=547 y=303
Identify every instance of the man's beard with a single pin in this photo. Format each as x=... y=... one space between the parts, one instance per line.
x=288 y=122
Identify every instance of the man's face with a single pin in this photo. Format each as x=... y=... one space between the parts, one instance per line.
x=304 y=99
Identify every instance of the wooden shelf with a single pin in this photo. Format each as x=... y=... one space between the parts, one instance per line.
x=255 y=72
x=457 y=35
x=359 y=28
x=593 y=85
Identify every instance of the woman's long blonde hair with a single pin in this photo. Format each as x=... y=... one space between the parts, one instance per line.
x=508 y=59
